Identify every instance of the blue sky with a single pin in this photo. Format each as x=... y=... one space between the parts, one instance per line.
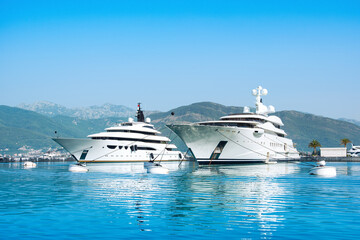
x=167 y=54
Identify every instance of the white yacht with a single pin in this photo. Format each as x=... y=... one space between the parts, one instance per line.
x=127 y=142
x=238 y=138
x=354 y=151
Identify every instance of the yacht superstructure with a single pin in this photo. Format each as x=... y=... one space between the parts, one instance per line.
x=127 y=142
x=245 y=137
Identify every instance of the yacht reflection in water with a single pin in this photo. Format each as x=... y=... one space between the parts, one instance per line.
x=142 y=167
x=248 y=194
x=213 y=197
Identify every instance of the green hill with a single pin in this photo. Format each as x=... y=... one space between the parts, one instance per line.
x=303 y=127
x=202 y=111
x=19 y=127
x=14 y=138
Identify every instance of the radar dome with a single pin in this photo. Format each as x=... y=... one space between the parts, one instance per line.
x=262 y=109
x=131 y=120
x=264 y=92
x=254 y=92
x=147 y=120
x=246 y=110
x=271 y=109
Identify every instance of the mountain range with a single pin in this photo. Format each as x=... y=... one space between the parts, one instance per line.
x=93 y=112
x=34 y=125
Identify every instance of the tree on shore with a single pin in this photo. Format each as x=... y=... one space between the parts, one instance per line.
x=314 y=144
x=345 y=141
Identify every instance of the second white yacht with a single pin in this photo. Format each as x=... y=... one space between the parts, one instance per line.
x=127 y=142
x=238 y=138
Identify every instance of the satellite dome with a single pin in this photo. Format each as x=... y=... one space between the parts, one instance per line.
x=147 y=120
x=271 y=109
x=254 y=92
x=246 y=110
x=264 y=92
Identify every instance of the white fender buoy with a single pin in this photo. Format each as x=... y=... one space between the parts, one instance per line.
x=77 y=168
x=272 y=162
x=322 y=170
x=29 y=164
x=156 y=168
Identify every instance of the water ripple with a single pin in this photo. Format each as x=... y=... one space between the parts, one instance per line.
x=246 y=201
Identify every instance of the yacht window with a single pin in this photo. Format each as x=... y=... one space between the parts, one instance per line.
x=146 y=148
x=120 y=147
x=134 y=148
x=129 y=139
x=230 y=124
x=245 y=119
x=131 y=131
x=126 y=147
x=111 y=146
x=148 y=127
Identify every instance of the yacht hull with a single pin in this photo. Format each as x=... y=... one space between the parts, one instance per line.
x=224 y=144
x=113 y=151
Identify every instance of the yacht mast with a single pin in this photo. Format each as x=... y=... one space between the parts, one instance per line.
x=140 y=115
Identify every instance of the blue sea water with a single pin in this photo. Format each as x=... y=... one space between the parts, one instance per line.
x=278 y=201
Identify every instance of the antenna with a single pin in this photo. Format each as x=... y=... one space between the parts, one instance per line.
x=260 y=107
